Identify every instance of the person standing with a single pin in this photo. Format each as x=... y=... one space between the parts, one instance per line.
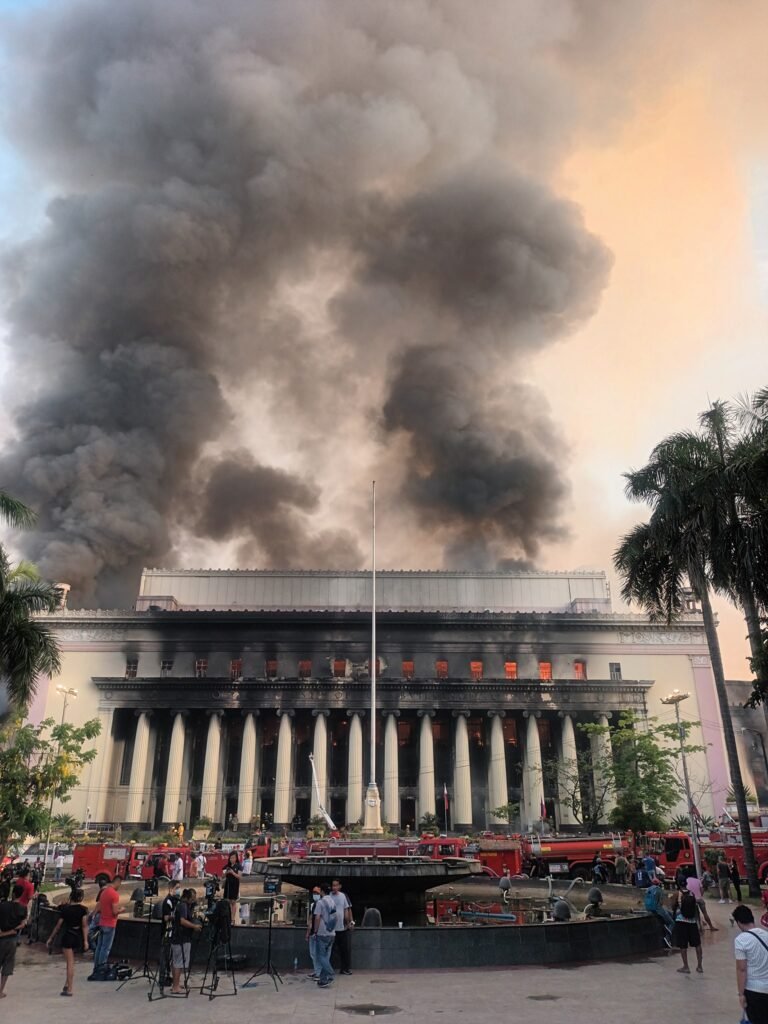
x=751 y=951
x=184 y=927
x=177 y=869
x=232 y=873
x=724 y=880
x=12 y=917
x=735 y=878
x=58 y=864
x=505 y=884
x=693 y=885
x=317 y=895
x=108 y=903
x=686 y=930
x=74 y=924
x=621 y=867
x=324 y=912
x=247 y=862
x=344 y=925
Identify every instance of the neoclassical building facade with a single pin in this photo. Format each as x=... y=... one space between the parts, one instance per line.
x=217 y=686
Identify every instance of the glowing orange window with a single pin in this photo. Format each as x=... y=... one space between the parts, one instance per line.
x=545 y=670
x=305 y=668
x=441 y=668
x=236 y=669
x=270 y=668
x=476 y=670
x=580 y=669
x=510 y=669
x=339 y=667
x=408 y=670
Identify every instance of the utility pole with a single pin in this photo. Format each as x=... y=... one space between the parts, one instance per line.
x=66 y=693
x=676 y=698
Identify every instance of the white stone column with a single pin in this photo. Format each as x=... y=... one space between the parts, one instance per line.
x=498 y=790
x=171 y=812
x=209 y=802
x=568 y=784
x=320 y=758
x=100 y=778
x=136 y=795
x=355 y=770
x=462 y=775
x=283 y=789
x=246 y=788
x=426 y=766
x=533 y=770
x=601 y=749
x=391 y=771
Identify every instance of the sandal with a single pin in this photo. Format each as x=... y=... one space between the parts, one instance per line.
x=683 y=970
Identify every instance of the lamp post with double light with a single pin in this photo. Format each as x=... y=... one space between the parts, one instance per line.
x=676 y=698
x=66 y=692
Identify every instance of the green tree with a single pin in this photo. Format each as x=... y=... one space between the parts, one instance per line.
x=656 y=558
x=64 y=825
x=38 y=763
x=636 y=769
x=507 y=812
x=27 y=648
x=429 y=823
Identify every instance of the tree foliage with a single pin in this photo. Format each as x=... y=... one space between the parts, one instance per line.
x=36 y=764
x=637 y=769
x=507 y=812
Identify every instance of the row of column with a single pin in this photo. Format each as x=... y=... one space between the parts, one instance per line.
x=533 y=779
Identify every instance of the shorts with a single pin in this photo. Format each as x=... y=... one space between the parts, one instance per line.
x=72 y=940
x=685 y=934
x=757 y=1006
x=7 y=955
x=181 y=956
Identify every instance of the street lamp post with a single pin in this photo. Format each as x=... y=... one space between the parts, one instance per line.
x=676 y=698
x=66 y=692
x=759 y=735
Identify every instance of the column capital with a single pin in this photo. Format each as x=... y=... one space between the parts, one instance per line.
x=351 y=712
x=460 y=714
x=603 y=714
x=531 y=714
x=492 y=714
x=423 y=713
x=394 y=714
x=214 y=713
x=253 y=711
x=316 y=713
x=285 y=711
x=138 y=712
x=564 y=714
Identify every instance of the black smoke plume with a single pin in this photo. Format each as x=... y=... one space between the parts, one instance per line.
x=213 y=165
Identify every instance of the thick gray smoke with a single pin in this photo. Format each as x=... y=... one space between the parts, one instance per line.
x=221 y=170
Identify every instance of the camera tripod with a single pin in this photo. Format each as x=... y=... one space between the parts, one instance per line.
x=268 y=967
x=221 y=947
x=146 y=972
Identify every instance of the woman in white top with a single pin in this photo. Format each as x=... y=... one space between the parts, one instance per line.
x=751 y=951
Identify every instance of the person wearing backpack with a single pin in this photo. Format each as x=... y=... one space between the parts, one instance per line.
x=686 y=931
x=751 y=952
x=324 y=930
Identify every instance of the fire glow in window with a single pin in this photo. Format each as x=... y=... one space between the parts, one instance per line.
x=476 y=670
x=510 y=670
x=580 y=669
x=305 y=668
x=408 y=670
x=545 y=670
x=339 y=667
x=441 y=668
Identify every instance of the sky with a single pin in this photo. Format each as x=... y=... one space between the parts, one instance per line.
x=663 y=150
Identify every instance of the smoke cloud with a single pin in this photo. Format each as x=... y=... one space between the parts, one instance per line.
x=334 y=215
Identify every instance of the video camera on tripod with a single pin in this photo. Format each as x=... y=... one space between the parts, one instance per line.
x=212 y=886
x=75 y=880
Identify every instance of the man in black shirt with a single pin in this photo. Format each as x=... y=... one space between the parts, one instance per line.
x=12 y=918
x=181 y=945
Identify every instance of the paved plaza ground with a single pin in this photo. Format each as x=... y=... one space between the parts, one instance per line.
x=612 y=992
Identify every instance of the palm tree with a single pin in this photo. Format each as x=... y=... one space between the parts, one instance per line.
x=27 y=648
x=655 y=559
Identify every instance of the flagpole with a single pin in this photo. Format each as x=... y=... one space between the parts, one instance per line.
x=372 y=816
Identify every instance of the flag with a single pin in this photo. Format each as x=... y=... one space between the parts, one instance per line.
x=543 y=810
x=445 y=797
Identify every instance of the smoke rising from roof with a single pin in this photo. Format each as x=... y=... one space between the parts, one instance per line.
x=213 y=162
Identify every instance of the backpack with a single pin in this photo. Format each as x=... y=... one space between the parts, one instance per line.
x=688 y=905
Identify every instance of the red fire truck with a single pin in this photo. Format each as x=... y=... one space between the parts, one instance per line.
x=675 y=849
x=108 y=861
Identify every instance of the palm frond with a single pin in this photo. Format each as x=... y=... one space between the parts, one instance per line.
x=15 y=512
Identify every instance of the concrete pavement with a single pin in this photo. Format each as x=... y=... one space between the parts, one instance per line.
x=618 y=993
